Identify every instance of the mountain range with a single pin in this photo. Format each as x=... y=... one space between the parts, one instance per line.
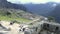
x=41 y=9
x=47 y=9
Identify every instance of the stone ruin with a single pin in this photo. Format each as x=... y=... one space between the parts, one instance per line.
x=44 y=28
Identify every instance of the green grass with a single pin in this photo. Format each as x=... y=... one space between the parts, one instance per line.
x=8 y=15
x=20 y=19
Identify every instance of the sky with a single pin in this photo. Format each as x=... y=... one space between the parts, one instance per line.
x=32 y=1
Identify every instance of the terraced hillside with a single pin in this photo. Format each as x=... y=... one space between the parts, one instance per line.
x=17 y=15
x=12 y=14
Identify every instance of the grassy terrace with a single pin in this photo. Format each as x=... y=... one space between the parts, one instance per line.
x=13 y=14
x=20 y=19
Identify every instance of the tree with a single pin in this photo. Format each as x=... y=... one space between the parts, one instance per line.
x=51 y=19
x=8 y=13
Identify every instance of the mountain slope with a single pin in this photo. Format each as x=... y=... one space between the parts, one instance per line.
x=41 y=9
x=13 y=14
x=56 y=13
x=10 y=11
x=5 y=4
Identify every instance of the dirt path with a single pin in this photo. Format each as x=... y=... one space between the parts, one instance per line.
x=14 y=28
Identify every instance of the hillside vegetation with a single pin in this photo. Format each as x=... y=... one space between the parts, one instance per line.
x=13 y=14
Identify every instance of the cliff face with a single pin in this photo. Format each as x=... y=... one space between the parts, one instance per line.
x=5 y=4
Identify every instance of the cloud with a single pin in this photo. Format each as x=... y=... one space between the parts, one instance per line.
x=28 y=1
x=32 y=1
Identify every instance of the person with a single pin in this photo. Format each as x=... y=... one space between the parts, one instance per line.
x=23 y=29
x=11 y=23
x=0 y=25
x=36 y=28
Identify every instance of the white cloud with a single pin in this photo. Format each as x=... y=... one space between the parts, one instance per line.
x=33 y=1
x=28 y=1
x=56 y=1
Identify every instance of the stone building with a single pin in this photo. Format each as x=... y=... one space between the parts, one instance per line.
x=44 y=28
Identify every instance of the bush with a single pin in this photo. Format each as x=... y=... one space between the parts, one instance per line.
x=8 y=13
x=51 y=19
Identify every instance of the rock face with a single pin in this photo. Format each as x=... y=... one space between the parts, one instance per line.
x=5 y=4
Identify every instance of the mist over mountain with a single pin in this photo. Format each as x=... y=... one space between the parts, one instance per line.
x=6 y=4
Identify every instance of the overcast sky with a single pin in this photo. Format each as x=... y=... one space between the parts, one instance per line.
x=32 y=1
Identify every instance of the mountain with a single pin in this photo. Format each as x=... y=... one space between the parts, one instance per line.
x=6 y=4
x=12 y=12
x=47 y=9
x=41 y=9
x=56 y=13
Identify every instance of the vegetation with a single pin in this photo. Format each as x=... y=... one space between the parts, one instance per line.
x=11 y=15
x=31 y=24
x=51 y=19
